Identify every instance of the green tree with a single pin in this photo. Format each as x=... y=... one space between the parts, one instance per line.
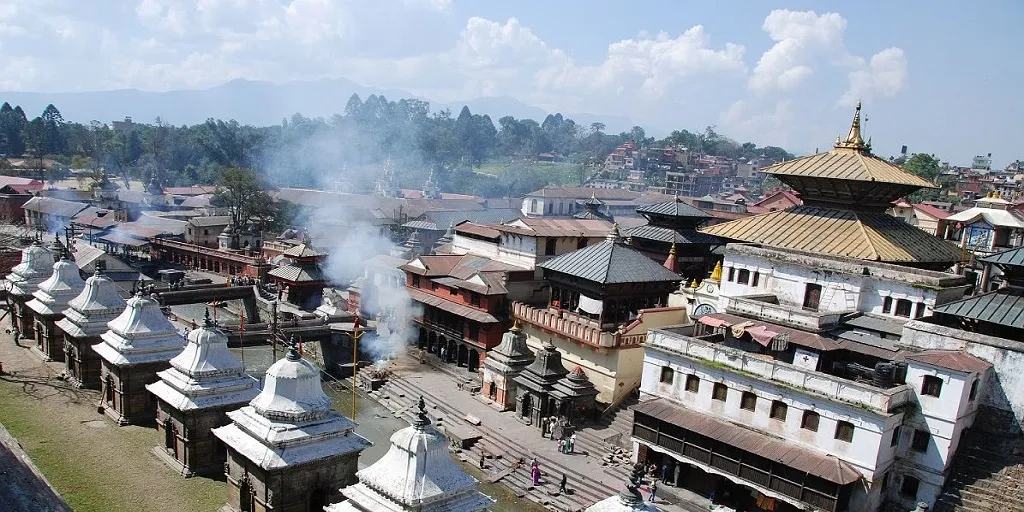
x=923 y=165
x=243 y=193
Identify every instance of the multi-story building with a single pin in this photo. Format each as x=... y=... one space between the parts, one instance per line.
x=992 y=225
x=464 y=299
x=671 y=233
x=927 y=218
x=558 y=201
x=693 y=184
x=528 y=242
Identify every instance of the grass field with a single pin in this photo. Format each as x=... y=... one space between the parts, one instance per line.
x=558 y=173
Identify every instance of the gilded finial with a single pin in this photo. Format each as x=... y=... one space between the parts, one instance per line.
x=694 y=283
x=515 y=326
x=716 y=274
x=672 y=251
x=854 y=140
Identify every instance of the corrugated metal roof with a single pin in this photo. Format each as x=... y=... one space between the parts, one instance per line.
x=876 y=323
x=675 y=208
x=1013 y=257
x=584 y=193
x=303 y=250
x=845 y=233
x=848 y=164
x=298 y=274
x=557 y=227
x=610 y=262
x=950 y=359
x=452 y=307
x=217 y=220
x=54 y=206
x=476 y=229
x=679 y=237
x=1003 y=307
x=777 y=450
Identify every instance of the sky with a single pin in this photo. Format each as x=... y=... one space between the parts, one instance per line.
x=941 y=77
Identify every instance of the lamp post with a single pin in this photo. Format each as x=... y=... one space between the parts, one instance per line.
x=355 y=361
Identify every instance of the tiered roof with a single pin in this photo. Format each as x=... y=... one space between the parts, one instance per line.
x=417 y=473
x=545 y=371
x=512 y=354
x=206 y=374
x=140 y=334
x=89 y=312
x=291 y=421
x=36 y=265
x=53 y=295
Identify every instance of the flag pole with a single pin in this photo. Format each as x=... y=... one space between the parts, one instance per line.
x=355 y=362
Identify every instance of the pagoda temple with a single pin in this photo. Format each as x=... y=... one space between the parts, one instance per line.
x=194 y=395
x=675 y=224
x=288 y=450
x=630 y=499
x=301 y=281
x=546 y=389
x=501 y=366
x=23 y=281
x=592 y=210
x=416 y=474
x=85 y=319
x=51 y=299
x=846 y=192
x=139 y=343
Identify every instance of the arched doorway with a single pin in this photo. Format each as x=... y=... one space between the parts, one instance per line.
x=245 y=496
x=453 y=351
x=442 y=348
x=463 y=355
x=474 y=361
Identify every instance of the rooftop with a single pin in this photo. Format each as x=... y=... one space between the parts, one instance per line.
x=610 y=262
x=53 y=294
x=589 y=228
x=89 y=312
x=1003 y=307
x=140 y=334
x=54 y=206
x=583 y=193
x=950 y=360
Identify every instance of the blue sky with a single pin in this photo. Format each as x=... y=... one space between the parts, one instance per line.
x=941 y=77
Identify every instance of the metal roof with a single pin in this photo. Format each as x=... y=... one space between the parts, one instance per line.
x=844 y=233
x=1003 y=307
x=777 y=450
x=676 y=208
x=848 y=164
x=1013 y=258
x=876 y=323
x=584 y=193
x=476 y=229
x=54 y=206
x=452 y=307
x=675 y=236
x=303 y=250
x=557 y=227
x=204 y=221
x=610 y=262
x=298 y=274
x=951 y=360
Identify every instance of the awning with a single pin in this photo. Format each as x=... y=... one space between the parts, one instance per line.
x=809 y=461
x=452 y=307
x=713 y=322
x=783 y=333
x=592 y=306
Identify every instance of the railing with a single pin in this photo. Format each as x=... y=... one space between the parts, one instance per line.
x=784 y=314
x=198 y=249
x=447 y=330
x=566 y=324
x=837 y=388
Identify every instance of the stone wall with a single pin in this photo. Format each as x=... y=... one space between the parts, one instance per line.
x=290 y=489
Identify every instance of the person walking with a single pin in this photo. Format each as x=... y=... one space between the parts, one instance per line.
x=483 y=459
x=536 y=475
x=572 y=443
x=561 y=486
x=654 y=490
x=561 y=446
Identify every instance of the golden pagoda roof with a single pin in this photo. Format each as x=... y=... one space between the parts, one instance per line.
x=844 y=233
x=851 y=160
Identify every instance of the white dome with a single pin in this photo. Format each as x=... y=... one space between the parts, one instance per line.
x=292 y=391
x=140 y=334
x=53 y=294
x=36 y=265
x=206 y=354
x=141 y=316
x=99 y=296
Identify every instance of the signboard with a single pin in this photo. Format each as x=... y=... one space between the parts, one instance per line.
x=978 y=237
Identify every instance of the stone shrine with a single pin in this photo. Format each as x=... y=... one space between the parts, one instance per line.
x=139 y=343
x=85 y=319
x=51 y=299
x=287 y=450
x=535 y=383
x=194 y=395
x=503 y=364
x=36 y=265
x=416 y=474
x=629 y=500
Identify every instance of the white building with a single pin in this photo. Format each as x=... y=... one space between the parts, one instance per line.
x=416 y=474
x=528 y=242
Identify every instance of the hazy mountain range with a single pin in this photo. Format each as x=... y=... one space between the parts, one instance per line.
x=260 y=103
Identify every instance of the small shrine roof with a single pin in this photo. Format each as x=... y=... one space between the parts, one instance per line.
x=673 y=236
x=89 y=312
x=36 y=265
x=674 y=208
x=140 y=334
x=1011 y=258
x=512 y=353
x=304 y=250
x=545 y=370
x=53 y=294
x=298 y=274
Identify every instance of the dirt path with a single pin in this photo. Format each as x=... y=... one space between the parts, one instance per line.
x=95 y=465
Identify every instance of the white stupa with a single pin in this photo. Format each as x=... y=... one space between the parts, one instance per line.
x=85 y=319
x=416 y=474
x=629 y=500
x=35 y=267
x=53 y=295
x=290 y=421
x=49 y=301
x=204 y=375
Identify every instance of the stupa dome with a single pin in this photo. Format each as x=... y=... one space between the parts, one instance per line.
x=292 y=391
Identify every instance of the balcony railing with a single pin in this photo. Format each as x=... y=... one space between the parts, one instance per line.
x=761 y=308
x=836 y=388
x=573 y=326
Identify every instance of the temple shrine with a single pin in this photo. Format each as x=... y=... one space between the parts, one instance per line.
x=416 y=474
x=546 y=389
x=194 y=395
x=630 y=499
x=672 y=232
x=23 y=281
x=288 y=450
x=301 y=281
x=85 y=319
x=51 y=299
x=845 y=192
x=139 y=343
x=503 y=364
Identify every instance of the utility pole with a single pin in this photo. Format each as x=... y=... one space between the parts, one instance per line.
x=355 y=361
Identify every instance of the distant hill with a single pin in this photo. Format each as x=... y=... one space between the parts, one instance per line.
x=258 y=103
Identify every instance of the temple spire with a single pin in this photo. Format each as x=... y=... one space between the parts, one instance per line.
x=672 y=262
x=854 y=140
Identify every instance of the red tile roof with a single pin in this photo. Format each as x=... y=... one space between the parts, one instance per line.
x=933 y=211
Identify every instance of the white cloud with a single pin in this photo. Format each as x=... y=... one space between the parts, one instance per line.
x=800 y=38
x=884 y=76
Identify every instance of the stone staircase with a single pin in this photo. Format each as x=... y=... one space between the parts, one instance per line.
x=399 y=396
x=987 y=475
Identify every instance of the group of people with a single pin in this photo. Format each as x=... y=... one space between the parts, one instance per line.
x=555 y=428
x=242 y=281
x=567 y=444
